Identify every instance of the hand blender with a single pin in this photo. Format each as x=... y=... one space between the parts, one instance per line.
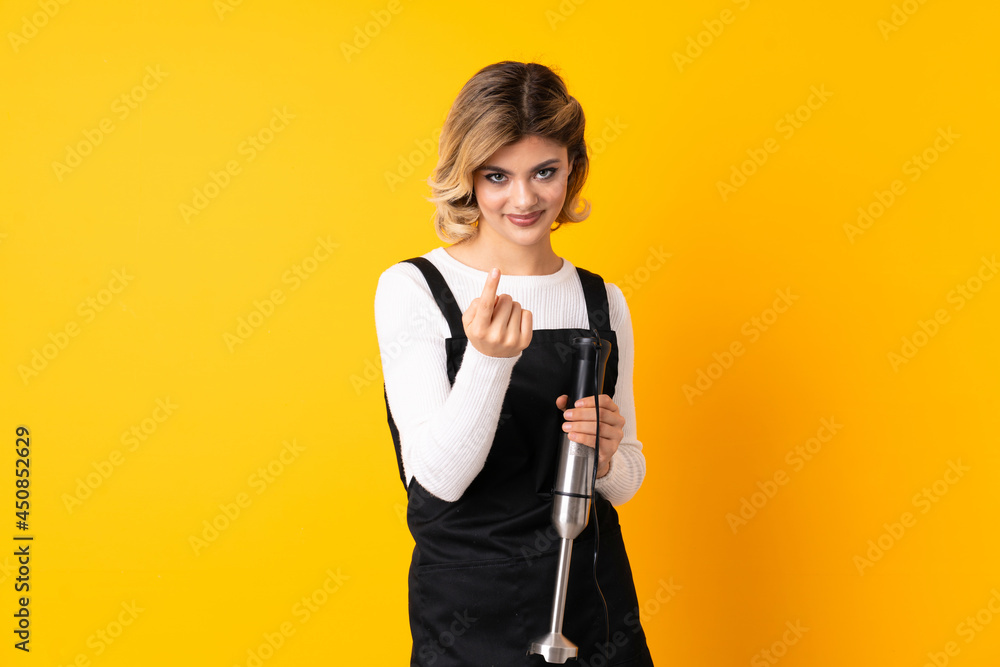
x=572 y=493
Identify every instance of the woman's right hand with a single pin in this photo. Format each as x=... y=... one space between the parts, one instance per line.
x=497 y=326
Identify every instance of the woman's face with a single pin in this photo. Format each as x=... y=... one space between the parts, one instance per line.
x=521 y=189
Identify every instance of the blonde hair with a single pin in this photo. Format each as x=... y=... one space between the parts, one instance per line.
x=500 y=105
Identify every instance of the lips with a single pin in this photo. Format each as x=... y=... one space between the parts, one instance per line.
x=525 y=220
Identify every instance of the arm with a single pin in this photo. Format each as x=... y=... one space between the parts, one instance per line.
x=445 y=431
x=628 y=465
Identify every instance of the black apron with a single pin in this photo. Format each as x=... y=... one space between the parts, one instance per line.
x=483 y=569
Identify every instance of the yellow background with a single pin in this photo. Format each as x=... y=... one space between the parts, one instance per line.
x=347 y=167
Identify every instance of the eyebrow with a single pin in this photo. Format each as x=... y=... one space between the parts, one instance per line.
x=490 y=167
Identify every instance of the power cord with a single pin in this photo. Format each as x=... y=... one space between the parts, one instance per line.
x=593 y=485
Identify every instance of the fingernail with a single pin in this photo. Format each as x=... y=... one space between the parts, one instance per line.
x=579 y=403
x=495 y=272
x=569 y=413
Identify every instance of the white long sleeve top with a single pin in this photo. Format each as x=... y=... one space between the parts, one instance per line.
x=445 y=430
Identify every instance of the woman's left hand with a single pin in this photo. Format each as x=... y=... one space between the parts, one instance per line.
x=581 y=423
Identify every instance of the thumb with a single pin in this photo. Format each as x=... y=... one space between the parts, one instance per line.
x=561 y=401
x=470 y=311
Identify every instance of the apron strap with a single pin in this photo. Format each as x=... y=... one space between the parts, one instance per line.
x=395 y=435
x=442 y=294
x=596 y=295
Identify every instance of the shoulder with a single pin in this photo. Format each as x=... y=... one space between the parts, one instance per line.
x=401 y=279
x=617 y=305
x=402 y=293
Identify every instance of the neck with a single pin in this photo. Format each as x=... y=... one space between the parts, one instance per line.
x=483 y=253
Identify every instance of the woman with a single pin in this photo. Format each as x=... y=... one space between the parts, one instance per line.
x=476 y=383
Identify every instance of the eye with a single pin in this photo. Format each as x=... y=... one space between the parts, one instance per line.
x=552 y=173
x=489 y=177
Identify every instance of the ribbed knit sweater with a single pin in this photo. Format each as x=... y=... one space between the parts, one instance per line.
x=445 y=430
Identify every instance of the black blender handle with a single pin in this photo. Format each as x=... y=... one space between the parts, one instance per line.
x=587 y=356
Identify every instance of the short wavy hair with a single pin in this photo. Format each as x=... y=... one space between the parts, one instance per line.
x=500 y=105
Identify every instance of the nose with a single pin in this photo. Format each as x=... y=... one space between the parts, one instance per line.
x=522 y=196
